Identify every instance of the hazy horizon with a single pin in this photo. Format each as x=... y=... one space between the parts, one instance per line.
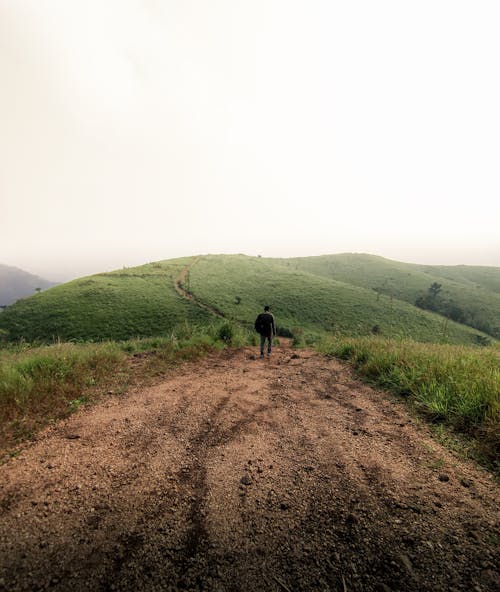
x=143 y=130
x=62 y=275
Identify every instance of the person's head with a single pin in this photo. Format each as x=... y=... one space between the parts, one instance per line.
x=266 y=308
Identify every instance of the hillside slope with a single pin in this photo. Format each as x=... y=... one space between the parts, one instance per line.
x=471 y=294
x=478 y=277
x=153 y=299
x=133 y=302
x=240 y=285
x=16 y=283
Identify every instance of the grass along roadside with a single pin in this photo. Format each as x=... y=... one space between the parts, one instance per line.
x=40 y=385
x=457 y=387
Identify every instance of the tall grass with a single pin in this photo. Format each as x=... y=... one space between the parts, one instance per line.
x=456 y=385
x=39 y=385
x=42 y=383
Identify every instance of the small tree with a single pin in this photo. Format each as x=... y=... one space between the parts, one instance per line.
x=434 y=290
x=430 y=301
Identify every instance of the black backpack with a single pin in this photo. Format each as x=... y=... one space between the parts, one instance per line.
x=263 y=323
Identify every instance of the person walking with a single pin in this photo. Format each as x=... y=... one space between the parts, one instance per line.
x=264 y=324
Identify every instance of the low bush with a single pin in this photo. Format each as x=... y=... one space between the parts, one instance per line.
x=298 y=339
x=284 y=332
x=226 y=332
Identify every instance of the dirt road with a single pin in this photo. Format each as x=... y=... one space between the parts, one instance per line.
x=241 y=474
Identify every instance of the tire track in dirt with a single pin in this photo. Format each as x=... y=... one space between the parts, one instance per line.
x=235 y=473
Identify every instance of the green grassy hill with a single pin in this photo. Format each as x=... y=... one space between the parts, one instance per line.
x=240 y=285
x=476 y=277
x=348 y=294
x=470 y=295
x=134 y=302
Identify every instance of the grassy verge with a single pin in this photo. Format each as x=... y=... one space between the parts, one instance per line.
x=42 y=384
x=454 y=386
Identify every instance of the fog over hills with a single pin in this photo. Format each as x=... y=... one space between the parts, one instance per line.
x=279 y=128
x=16 y=283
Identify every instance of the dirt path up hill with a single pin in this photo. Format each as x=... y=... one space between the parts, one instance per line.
x=241 y=474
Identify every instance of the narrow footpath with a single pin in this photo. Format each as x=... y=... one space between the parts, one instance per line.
x=181 y=285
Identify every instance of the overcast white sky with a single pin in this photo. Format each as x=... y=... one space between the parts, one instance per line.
x=139 y=130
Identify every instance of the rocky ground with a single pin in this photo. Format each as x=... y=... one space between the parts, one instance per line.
x=240 y=474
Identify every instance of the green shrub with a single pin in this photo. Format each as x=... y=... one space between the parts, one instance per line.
x=298 y=337
x=231 y=333
x=226 y=333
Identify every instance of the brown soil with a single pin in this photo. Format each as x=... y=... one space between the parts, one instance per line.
x=236 y=473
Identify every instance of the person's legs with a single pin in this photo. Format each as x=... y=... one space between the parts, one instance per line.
x=269 y=344
x=262 y=342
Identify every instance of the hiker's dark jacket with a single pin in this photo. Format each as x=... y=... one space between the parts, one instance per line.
x=264 y=324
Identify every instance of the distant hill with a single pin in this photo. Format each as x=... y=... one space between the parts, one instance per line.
x=346 y=294
x=468 y=294
x=16 y=283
